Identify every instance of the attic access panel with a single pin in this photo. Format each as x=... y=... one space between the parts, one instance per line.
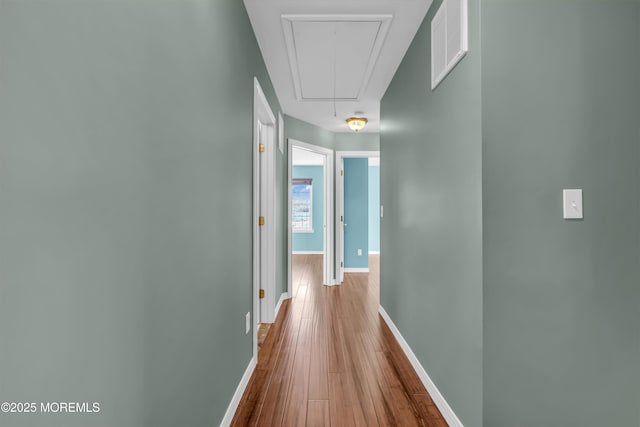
x=333 y=56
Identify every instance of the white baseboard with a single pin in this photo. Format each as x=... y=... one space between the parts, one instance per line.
x=356 y=270
x=235 y=400
x=284 y=296
x=307 y=252
x=374 y=252
x=437 y=397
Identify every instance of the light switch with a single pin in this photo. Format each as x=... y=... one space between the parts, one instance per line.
x=572 y=204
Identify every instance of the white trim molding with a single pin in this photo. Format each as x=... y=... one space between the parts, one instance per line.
x=283 y=297
x=235 y=400
x=355 y=270
x=437 y=397
x=280 y=133
x=374 y=252
x=307 y=252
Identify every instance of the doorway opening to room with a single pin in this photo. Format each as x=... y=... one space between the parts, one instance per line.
x=311 y=241
x=358 y=214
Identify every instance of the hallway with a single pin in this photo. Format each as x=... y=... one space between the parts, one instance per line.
x=329 y=359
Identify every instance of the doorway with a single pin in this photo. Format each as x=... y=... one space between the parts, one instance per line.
x=310 y=207
x=358 y=212
x=264 y=218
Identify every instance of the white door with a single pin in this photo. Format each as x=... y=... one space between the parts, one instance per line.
x=262 y=174
x=264 y=253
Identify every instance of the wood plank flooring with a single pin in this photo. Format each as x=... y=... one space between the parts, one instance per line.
x=330 y=360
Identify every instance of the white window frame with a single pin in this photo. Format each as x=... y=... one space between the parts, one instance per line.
x=308 y=230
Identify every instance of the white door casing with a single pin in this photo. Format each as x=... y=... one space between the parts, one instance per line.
x=340 y=156
x=328 y=226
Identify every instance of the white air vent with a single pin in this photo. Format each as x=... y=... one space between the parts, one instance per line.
x=449 y=41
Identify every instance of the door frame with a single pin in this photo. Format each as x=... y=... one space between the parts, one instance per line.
x=339 y=220
x=328 y=277
x=263 y=310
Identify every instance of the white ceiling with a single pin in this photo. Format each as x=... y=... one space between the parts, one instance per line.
x=320 y=50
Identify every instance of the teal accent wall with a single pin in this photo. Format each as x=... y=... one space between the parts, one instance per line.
x=431 y=233
x=356 y=212
x=561 y=84
x=312 y=242
x=126 y=194
x=374 y=208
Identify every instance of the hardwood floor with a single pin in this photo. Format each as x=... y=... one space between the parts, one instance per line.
x=263 y=329
x=330 y=360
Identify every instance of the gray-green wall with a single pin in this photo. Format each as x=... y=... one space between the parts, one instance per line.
x=431 y=233
x=546 y=99
x=560 y=85
x=126 y=207
x=337 y=141
x=306 y=132
x=282 y=170
x=361 y=141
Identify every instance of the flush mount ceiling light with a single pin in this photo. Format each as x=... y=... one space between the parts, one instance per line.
x=357 y=123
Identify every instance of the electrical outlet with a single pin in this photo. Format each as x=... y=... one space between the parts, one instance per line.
x=359 y=252
x=247 y=323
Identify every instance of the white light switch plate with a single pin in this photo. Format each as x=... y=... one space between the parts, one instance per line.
x=572 y=204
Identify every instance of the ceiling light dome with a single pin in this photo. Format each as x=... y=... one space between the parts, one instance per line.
x=357 y=123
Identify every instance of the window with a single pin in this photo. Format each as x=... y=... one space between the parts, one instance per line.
x=301 y=206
